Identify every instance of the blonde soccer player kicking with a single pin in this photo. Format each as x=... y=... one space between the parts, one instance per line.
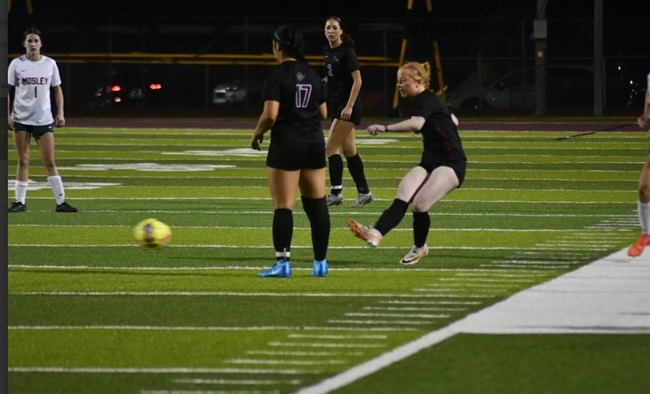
x=441 y=168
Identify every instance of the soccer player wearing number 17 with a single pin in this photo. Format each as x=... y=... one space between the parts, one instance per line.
x=294 y=105
x=31 y=76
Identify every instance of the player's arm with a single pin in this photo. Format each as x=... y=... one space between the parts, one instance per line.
x=356 y=88
x=322 y=108
x=454 y=119
x=10 y=118
x=644 y=120
x=59 y=120
x=265 y=122
x=414 y=124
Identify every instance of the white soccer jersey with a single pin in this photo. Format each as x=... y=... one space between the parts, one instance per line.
x=33 y=82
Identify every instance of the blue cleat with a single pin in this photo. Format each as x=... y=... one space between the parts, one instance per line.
x=281 y=269
x=320 y=268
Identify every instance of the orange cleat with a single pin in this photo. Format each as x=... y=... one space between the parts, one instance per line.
x=368 y=234
x=637 y=248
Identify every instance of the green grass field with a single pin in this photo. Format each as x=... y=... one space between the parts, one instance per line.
x=89 y=312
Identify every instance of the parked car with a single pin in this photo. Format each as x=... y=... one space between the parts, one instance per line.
x=229 y=93
x=565 y=86
x=127 y=90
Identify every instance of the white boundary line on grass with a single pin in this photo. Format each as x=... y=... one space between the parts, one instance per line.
x=610 y=295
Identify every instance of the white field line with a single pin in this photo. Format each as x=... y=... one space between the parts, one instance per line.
x=217 y=246
x=210 y=328
x=254 y=382
x=301 y=353
x=180 y=370
x=610 y=295
x=234 y=294
x=412 y=347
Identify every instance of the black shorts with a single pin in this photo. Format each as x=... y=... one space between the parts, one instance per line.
x=293 y=157
x=357 y=113
x=459 y=168
x=36 y=131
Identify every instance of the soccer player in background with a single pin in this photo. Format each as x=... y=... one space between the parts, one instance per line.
x=343 y=82
x=31 y=77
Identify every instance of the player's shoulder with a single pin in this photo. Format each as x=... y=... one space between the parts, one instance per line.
x=48 y=59
x=307 y=69
x=349 y=49
x=21 y=58
x=429 y=94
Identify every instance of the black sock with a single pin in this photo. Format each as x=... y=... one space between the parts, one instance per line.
x=336 y=173
x=355 y=165
x=392 y=216
x=319 y=218
x=282 y=232
x=421 y=225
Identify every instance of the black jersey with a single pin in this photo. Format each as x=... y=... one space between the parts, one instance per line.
x=298 y=89
x=440 y=137
x=340 y=63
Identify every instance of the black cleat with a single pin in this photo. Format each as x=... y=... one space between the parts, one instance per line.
x=65 y=207
x=18 y=207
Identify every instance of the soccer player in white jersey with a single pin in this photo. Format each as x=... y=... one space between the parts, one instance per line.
x=31 y=77
x=643 y=203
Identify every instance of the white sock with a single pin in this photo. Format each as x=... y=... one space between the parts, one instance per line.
x=21 y=191
x=284 y=255
x=643 y=210
x=57 y=187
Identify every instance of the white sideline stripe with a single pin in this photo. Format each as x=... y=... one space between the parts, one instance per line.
x=610 y=295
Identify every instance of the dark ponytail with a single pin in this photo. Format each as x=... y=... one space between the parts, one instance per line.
x=291 y=41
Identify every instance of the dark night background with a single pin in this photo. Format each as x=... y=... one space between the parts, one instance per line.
x=476 y=39
x=573 y=16
x=296 y=8
x=365 y=9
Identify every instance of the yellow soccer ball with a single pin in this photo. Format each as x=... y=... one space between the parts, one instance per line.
x=152 y=234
